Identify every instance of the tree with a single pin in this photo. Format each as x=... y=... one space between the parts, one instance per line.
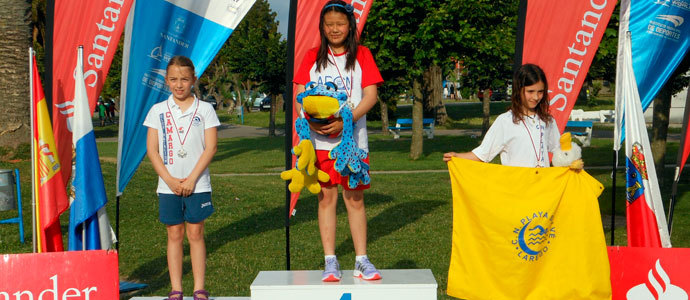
x=15 y=40
x=662 y=110
x=252 y=58
x=389 y=34
x=414 y=41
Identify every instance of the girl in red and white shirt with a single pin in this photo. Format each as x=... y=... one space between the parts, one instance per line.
x=351 y=67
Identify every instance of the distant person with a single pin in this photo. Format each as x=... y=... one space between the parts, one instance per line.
x=352 y=67
x=525 y=134
x=107 y=105
x=101 y=112
x=181 y=141
x=111 y=110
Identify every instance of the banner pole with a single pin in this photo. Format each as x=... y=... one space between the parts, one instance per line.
x=117 y=222
x=289 y=73
x=33 y=152
x=679 y=161
x=614 y=174
x=520 y=34
x=48 y=59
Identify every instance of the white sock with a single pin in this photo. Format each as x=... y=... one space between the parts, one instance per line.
x=359 y=258
x=329 y=256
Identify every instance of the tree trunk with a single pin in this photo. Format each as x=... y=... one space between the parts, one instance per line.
x=660 y=119
x=433 y=92
x=384 y=117
x=15 y=39
x=417 y=145
x=434 y=84
x=272 y=118
x=486 y=108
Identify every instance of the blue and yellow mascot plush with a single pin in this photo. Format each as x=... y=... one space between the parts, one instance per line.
x=320 y=104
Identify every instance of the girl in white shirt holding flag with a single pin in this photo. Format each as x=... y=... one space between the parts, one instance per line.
x=526 y=133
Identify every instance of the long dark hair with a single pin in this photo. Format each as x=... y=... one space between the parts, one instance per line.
x=351 y=42
x=526 y=75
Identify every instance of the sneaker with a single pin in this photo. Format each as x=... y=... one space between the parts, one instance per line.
x=331 y=272
x=366 y=270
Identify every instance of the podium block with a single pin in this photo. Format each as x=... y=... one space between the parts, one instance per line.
x=415 y=284
x=190 y=298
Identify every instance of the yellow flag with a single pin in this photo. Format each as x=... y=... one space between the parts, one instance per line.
x=526 y=233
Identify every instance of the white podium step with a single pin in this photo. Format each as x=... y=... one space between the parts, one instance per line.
x=413 y=284
x=190 y=298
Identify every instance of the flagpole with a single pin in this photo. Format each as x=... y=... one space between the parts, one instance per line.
x=289 y=73
x=613 y=194
x=80 y=64
x=679 y=161
x=33 y=171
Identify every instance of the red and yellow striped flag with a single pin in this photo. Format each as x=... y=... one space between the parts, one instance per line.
x=49 y=188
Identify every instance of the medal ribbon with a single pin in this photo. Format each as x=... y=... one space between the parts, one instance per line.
x=347 y=91
x=541 y=135
x=177 y=128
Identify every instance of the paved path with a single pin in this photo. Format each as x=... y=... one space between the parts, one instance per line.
x=234 y=130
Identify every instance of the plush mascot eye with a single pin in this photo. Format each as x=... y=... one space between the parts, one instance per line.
x=331 y=86
x=310 y=85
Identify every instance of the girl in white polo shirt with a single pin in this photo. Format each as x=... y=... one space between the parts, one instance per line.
x=181 y=142
x=526 y=133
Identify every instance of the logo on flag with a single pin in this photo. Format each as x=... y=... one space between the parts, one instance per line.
x=661 y=286
x=676 y=20
x=532 y=239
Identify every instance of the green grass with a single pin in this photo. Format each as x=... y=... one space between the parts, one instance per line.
x=409 y=215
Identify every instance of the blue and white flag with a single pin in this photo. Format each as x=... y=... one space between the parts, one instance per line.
x=660 y=37
x=89 y=228
x=156 y=31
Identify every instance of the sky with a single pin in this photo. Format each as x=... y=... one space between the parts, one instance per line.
x=282 y=8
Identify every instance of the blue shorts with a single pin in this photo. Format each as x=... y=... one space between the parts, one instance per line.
x=174 y=209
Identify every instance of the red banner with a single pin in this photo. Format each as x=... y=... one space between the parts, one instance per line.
x=649 y=273
x=51 y=198
x=562 y=37
x=97 y=25
x=307 y=36
x=60 y=275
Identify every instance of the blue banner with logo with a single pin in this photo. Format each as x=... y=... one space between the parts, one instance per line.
x=156 y=31
x=660 y=37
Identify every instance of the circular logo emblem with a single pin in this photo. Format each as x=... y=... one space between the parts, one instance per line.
x=196 y=121
x=533 y=236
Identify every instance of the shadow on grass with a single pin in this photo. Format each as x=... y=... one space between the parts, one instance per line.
x=440 y=143
x=230 y=147
x=390 y=220
x=405 y=264
x=155 y=271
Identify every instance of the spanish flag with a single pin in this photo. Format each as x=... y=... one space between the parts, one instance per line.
x=526 y=233
x=49 y=188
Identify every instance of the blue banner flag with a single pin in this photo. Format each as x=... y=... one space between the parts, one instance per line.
x=660 y=37
x=156 y=31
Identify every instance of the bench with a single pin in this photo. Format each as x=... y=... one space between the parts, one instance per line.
x=581 y=130
x=406 y=124
x=597 y=115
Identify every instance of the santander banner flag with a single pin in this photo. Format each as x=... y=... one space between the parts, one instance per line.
x=60 y=275
x=307 y=36
x=96 y=25
x=562 y=37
